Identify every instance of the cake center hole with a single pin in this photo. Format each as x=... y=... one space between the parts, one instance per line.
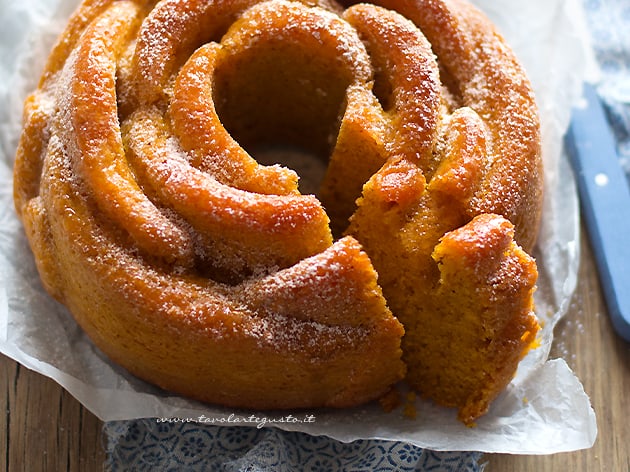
x=310 y=167
x=282 y=104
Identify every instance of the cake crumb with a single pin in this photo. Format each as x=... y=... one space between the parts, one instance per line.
x=409 y=410
x=390 y=401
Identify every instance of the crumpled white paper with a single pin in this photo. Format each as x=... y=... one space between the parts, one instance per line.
x=544 y=410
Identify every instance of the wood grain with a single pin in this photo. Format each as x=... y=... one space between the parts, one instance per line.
x=45 y=428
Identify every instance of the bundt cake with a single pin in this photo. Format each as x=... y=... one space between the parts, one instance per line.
x=205 y=272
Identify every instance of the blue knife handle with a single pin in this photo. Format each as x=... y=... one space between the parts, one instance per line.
x=605 y=199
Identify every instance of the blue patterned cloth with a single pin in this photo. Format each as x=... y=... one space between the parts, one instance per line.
x=150 y=445
x=609 y=22
x=161 y=446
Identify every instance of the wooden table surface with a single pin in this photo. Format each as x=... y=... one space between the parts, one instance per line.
x=45 y=428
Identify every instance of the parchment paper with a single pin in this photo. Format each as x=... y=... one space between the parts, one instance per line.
x=544 y=410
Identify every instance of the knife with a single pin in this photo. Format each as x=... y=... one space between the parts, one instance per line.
x=605 y=200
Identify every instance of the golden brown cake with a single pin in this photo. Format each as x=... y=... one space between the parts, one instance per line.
x=209 y=274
